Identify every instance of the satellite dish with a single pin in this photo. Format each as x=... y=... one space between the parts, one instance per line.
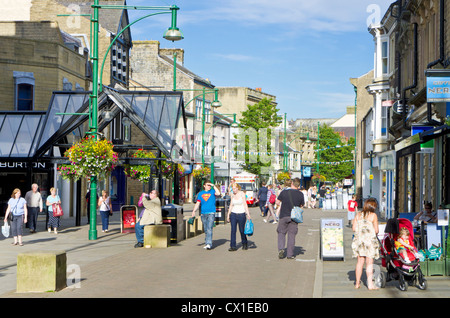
x=397 y=107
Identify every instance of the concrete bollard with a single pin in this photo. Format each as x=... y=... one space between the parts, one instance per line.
x=41 y=271
x=157 y=236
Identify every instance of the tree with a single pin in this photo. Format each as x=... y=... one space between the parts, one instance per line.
x=335 y=156
x=256 y=132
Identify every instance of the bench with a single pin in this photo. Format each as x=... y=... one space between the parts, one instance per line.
x=41 y=271
x=157 y=236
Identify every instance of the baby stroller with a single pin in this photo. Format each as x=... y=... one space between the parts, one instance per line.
x=407 y=273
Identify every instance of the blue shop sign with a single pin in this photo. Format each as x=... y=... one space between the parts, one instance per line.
x=438 y=89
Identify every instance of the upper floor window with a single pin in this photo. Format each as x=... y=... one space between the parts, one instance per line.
x=23 y=90
x=385 y=57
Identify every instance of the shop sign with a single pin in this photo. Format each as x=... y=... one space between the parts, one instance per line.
x=128 y=218
x=438 y=89
x=24 y=165
x=332 y=238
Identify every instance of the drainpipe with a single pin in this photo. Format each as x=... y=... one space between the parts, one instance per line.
x=440 y=60
x=414 y=84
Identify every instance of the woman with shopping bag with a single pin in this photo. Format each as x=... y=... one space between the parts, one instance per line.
x=238 y=214
x=17 y=212
x=53 y=218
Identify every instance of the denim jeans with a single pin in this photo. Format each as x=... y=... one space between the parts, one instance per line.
x=139 y=231
x=105 y=219
x=208 y=223
x=237 y=220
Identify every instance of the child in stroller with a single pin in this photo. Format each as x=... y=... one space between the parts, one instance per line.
x=399 y=255
x=404 y=248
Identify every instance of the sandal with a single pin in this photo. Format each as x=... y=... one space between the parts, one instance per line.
x=14 y=243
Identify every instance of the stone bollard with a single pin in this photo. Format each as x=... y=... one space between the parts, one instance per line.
x=157 y=236
x=41 y=271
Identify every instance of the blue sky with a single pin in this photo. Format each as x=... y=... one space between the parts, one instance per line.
x=304 y=52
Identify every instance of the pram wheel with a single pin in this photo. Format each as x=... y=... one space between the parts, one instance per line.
x=380 y=280
x=422 y=281
x=402 y=283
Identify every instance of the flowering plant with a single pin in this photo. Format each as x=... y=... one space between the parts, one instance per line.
x=447 y=120
x=143 y=172
x=282 y=176
x=140 y=172
x=89 y=157
x=317 y=177
x=201 y=173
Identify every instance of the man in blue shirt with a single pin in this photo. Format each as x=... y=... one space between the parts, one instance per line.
x=207 y=200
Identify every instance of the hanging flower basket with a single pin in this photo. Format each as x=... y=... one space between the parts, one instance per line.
x=140 y=172
x=283 y=176
x=202 y=173
x=89 y=157
x=143 y=172
x=317 y=177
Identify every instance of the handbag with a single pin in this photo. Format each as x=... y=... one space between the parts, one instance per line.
x=296 y=212
x=248 y=229
x=57 y=209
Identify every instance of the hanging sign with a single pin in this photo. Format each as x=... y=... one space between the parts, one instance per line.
x=332 y=239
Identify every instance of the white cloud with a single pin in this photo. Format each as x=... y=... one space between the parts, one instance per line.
x=318 y=15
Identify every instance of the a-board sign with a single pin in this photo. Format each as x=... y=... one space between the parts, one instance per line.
x=332 y=239
x=128 y=218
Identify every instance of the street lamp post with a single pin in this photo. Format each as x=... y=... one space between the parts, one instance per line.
x=172 y=34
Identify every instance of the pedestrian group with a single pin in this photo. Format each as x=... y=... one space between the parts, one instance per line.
x=23 y=211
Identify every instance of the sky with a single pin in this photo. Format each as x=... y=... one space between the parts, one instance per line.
x=303 y=52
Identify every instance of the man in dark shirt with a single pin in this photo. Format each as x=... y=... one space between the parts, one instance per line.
x=262 y=197
x=285 y=202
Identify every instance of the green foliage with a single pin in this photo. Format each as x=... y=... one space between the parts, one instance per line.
x=330 y=141
x=262 y=116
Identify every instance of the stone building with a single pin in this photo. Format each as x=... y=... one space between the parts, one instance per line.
x=47 y=62
x=410 y=141
x=159 y=69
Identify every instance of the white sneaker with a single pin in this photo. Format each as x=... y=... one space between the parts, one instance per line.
x=265 y=221
x=207 y=247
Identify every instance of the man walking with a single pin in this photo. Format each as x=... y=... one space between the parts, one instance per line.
x=34 y=205
x=262 y=198
x=206 y=200
x=286 y=201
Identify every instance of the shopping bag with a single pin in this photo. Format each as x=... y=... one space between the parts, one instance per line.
x=297 y=214
x=5 y=230
x=57 y=209
x=248 y=229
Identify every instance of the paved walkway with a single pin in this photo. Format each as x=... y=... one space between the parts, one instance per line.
x=110 y=267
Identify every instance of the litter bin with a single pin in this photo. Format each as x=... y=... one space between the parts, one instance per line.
x=221 y=211
x=172 y=214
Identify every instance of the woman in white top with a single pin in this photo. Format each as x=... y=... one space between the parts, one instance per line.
x=237 y=213
x=105 y=207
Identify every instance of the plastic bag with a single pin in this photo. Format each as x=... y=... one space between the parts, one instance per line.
x=248 y=229
x=5 y=230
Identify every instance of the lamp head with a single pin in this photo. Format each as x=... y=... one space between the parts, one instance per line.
x=173 y=33
x=216 y=104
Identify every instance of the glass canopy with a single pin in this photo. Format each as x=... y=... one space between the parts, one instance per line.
x=159 y=115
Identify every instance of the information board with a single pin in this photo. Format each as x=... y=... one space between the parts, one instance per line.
x=128 y=218
x=332 y=239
